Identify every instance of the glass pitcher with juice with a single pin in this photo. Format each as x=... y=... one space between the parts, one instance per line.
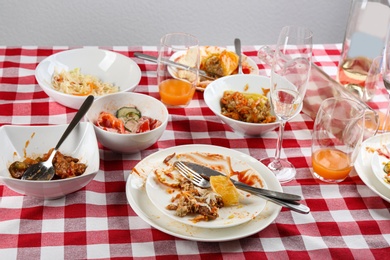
x=364 y=40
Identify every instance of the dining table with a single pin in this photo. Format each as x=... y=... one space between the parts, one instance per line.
x=347 y=220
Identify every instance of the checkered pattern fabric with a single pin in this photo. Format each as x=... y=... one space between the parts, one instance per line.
x=347 y=220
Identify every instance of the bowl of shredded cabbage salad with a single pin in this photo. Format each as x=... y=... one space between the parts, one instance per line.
x=70 y=76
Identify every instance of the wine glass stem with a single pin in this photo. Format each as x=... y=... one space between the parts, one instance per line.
x=386 y=119
x=278 y=150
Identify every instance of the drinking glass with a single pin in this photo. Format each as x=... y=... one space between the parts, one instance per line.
x=386 y=78
x=337 y=134
x=289 y=76
x=177 y=84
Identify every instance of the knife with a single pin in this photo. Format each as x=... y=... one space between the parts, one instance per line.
x=291 y=204
x=207 y=172
x=172 y=63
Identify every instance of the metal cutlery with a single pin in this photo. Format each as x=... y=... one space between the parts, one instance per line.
x=237 y=45
x=143 y=56
x=185 y=168
x=206 y=172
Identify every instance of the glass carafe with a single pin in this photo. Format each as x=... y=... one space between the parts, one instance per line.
x=364 y=40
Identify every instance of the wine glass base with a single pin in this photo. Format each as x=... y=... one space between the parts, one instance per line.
x=283 y=169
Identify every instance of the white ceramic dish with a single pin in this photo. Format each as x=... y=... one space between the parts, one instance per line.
x=377 y=164
x=242 y=83
x=129 y=143
x=363 y=164
x=141 y=204
x=20 y=141
x=106 y=65
x=248 y=208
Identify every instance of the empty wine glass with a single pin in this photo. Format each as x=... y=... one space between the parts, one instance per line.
x=289 y=76
x=386 y=79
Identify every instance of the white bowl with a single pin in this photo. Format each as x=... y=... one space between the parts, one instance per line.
x=129 y=143
x=242 y=83
x=37 y=140
x=108 y=66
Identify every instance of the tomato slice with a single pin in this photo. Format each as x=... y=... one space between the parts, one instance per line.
x=143 y=126
x=154 y=123
x=246 y=70
x=108 y=121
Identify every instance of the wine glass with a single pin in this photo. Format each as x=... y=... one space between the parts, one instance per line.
x=386 y=78
x=177 y=84
x=289 y=76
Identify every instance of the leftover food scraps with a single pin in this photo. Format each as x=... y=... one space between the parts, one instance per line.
x=65 y=166
x=191 y=200
x=216 y=62
x=203 y=204
x=386 y=169
x=75 y=83
x=246 y=107
x=126 y=120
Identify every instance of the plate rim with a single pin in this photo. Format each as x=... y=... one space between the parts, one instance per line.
x=267 y=216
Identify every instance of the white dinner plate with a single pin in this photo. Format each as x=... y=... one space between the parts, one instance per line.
x=141 y=204
x=248 y=208
x=363 y=164
x=377 y=164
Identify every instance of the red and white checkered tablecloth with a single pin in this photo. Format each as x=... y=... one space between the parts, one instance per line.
x=347 y=220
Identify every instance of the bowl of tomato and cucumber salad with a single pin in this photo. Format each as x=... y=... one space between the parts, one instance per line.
x=128 y=122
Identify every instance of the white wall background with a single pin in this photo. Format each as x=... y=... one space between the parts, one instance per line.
x=143 y=22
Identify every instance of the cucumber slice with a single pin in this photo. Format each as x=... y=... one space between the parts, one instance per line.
x=128 y=113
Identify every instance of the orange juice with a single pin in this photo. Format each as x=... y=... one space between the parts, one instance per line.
x=331 y=164
x=176 y=92
x=382 y=117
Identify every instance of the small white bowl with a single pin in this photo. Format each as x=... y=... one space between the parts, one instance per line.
x=242 y=83
x=129 y=143
x=37 y=140
x=108 y=66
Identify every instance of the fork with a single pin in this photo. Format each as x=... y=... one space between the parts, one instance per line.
x=201 y=182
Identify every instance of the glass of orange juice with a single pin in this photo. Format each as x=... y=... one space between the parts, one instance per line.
x=337 y=135
x=177 y=84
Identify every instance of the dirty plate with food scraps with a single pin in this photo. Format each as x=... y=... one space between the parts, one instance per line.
x=249 y=206
x=139 y=200
x=377 y=165
x=249 y=65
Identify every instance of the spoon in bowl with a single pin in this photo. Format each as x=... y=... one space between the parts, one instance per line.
x=45 y=170
x=237 y=45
